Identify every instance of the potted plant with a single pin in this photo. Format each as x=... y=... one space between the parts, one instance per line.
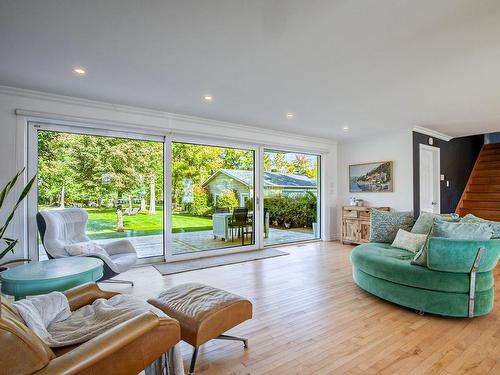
x=10 y=242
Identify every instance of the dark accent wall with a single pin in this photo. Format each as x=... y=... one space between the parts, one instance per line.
x=457 y=160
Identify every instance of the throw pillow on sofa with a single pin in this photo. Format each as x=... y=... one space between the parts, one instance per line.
x=495 y=225
x=409 y=241
x=457 y=231
x=384 y=225
x=425 y=220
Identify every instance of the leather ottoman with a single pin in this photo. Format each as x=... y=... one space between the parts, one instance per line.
x=204 y=313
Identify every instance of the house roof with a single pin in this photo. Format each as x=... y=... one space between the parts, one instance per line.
x=271 y=179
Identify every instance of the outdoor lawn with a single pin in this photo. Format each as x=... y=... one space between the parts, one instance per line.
x=102 y=223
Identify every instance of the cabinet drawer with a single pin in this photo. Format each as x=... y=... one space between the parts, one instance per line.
x=365 y=215
x=351 y=214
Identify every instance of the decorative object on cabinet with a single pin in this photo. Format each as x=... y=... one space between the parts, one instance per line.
x=356 y=223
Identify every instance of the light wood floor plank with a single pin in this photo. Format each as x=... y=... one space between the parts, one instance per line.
x=310 y=318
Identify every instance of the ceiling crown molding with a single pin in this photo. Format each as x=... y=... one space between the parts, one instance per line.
x=228 y=126
x=432 y=133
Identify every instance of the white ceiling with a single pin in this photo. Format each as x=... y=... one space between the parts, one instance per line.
x=374 y=65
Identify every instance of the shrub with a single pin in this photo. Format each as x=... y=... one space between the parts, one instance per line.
x=298 y=211
x=202 y=202
x=228 y=199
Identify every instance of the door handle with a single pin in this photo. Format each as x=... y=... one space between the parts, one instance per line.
x=433 y=203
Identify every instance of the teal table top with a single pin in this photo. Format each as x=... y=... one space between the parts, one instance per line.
x=50 y=275
x=51 y=269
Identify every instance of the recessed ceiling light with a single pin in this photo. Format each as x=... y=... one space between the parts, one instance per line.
x=208 y=98
x=78 y=70
x=345 y=128
x=290 y=115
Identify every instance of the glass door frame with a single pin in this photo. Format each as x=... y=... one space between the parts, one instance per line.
x=206 y=141
x=321 y=193
x=32 y=168
x=33 y=124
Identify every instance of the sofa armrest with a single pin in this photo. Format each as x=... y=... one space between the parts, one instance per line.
x=104 y=346
x=85 y=294
x=119 y=247
x=449 y=255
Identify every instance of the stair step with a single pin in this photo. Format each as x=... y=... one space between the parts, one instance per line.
x=486 y=173
x=491 y=180
x=480 y=205
x=485 y=214
x=490 y=146
x=489 y=157
x=485 y=197
x=483 y=188
x=491 y=151
x=488 y=165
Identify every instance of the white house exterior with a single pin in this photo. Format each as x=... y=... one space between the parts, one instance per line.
x=242 y=181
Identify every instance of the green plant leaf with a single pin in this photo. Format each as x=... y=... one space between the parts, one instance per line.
x=10 y=246
x=8 y=187
x=23 y=195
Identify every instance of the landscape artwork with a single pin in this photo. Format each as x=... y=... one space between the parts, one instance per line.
x=371 y=177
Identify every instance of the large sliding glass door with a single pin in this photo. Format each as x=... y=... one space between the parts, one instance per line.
x=118 y=180
x=173 y=197
x=292 y=199
x=212 y=192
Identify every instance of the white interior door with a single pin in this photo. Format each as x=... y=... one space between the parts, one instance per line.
x=429 y=179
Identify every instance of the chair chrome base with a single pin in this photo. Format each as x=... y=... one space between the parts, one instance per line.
x=220 y=337
x=117 y=281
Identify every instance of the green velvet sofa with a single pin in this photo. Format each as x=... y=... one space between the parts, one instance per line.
x=443 y=287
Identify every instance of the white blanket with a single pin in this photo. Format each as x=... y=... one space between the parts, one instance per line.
x=49 y=316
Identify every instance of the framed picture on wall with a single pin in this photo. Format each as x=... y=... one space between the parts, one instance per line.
x=376 y=177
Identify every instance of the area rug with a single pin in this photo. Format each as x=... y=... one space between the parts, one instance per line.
x=215 y=261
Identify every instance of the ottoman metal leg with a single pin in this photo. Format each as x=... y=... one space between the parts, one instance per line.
x=233 y=338
x=193 y=360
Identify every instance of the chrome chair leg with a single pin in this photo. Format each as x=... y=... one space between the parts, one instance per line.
x=117 y=281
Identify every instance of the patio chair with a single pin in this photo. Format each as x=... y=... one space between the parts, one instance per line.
x=221 y=210
x=240 y=221
x=59 y=228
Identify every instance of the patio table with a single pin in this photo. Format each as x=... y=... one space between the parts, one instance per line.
x=220 y=224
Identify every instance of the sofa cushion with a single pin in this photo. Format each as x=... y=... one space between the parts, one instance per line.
x=462 y=230
x=454 y=230
x=495 y=225
x=384 y=225
x=425 y=220
x=409 y=241
x=392 y=264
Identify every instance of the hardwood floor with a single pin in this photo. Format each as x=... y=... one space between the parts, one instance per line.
x=310 y=318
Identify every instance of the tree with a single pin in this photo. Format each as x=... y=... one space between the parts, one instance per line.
x=279 y=162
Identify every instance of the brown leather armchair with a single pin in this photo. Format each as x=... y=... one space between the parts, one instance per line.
x=127 y=348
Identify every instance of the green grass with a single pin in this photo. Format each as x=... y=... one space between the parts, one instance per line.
x=102 y=223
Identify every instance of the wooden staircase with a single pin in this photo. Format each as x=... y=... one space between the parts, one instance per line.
x=481 y=196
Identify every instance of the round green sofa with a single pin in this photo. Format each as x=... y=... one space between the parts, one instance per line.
x=440 y=288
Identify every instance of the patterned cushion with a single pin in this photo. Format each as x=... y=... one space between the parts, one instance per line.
x=409 y=241
x=459 y=231
x=385 y=225
x=495 y=225
x=424 y=222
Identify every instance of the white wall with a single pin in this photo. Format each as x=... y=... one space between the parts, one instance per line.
x=39 y=105
x=392 y=146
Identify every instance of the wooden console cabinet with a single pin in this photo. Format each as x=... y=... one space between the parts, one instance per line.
x=356 y=223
